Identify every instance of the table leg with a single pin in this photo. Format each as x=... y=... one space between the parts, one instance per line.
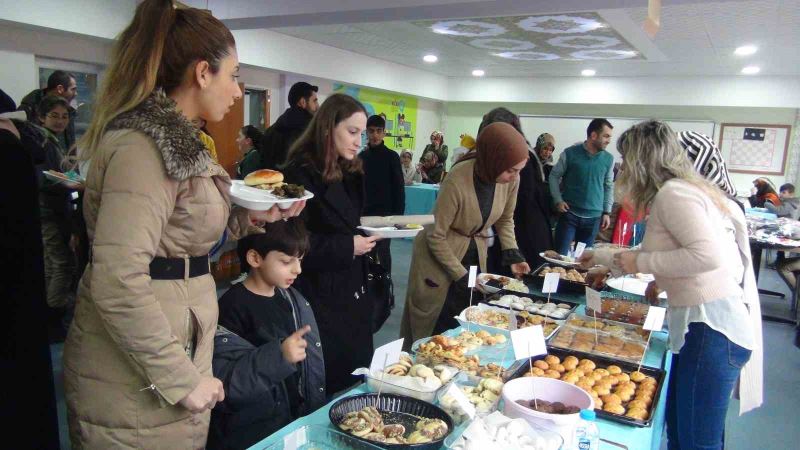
x=755 y=255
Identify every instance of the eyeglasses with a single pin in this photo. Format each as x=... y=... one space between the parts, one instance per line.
x=56 y=116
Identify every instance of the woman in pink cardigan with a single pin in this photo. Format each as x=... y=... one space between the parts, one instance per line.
x=697 y=248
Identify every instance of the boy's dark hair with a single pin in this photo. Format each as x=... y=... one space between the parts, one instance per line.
x=285 y=236
x=596 y=126
x=59 y=77
x=788 y=187
x=376 y=121
x=48 y=103
x=301 y=90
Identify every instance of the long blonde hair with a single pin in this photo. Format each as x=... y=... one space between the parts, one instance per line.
x=154 y=51
x=652 y=156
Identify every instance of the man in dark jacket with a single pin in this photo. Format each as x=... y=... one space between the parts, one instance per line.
x=278 y=138
x=385 y=196
x=61 y=84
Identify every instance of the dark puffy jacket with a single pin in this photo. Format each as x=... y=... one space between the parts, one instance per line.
x=278 y=139
x=256 y=400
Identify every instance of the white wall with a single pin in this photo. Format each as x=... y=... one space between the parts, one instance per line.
x=743 y=91
x=22 y=79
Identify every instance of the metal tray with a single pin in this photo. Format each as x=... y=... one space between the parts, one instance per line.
x=564 y=286
x=535 y=298
x=602 y=362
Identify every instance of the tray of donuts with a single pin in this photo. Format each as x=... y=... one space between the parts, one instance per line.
x=621 y=393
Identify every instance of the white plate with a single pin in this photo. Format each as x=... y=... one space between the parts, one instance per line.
x=260 y=200
x=483 y=278
x=390 y=232
x=559 y=262
x=631 y=285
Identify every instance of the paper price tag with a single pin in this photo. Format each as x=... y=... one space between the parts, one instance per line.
x=579 y=248
x=528 y=342
x=461 y=399
x=550 y=284
x=655 y=318
x=593 y=300
x=386 y=354
x=295 y=439
x=473 y=273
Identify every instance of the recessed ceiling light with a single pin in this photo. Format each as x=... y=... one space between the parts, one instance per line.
x=430 y=58
x=751 y=70
x=588 y=72
x=478 y=73
x=746 y=50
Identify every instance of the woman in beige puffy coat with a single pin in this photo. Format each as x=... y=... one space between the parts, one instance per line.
x=137 y=360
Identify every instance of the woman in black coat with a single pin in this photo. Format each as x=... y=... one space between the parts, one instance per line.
x=334 y=270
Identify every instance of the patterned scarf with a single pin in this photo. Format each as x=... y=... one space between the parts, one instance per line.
x=707 y=159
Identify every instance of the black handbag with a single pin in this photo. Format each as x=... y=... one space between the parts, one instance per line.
x=381 y=289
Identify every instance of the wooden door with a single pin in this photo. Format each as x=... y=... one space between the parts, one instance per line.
x=225 y=133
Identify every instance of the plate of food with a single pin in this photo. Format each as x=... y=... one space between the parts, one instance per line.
x=395 y=231
x=561 y=260
x=68 y=178
x=265 y=188
x=493 y=284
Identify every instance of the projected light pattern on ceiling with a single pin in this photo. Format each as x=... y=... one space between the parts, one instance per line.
x=574 y=36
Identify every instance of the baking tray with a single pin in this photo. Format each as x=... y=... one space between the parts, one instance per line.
x=603 y=362
x=629 y=335
x=564 y=286
x=473 y=326
x=533 y=297
x=614 y=305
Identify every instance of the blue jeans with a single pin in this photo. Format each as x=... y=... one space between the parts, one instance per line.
x=573 y=228
x=700 y=384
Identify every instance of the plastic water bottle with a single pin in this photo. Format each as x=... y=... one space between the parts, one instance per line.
x=587 y=437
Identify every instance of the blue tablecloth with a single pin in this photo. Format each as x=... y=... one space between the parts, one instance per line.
x=634 y=438
x=420 y=198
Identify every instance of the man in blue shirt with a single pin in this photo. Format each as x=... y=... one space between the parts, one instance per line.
x=586 y=173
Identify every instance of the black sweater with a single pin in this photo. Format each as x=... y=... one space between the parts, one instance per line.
x=383 y=182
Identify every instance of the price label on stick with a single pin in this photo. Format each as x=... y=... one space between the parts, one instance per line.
x=390 y=353
x=655 y=318
x=473 y=273
x=550 y=283
x=579 y=248
x=528 y=342
x=461 y=400
x=593 y=300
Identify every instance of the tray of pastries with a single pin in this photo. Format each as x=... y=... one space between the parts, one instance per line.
x=620 y=309
x=558 y=310
x=602 y=337
x=572 y=279
x=621 y=392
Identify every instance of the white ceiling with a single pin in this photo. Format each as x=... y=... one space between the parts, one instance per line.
x=696 y=37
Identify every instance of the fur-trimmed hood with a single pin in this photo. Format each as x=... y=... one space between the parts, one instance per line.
x=184 y=154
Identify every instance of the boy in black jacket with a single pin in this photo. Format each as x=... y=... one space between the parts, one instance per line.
x=267 y=349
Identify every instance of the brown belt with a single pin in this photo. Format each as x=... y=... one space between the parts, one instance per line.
x=471 y=236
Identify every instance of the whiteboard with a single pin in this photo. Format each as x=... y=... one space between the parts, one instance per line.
x=569 y=130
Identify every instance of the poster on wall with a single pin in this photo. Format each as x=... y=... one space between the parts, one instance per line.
x=399 y=111
x=755 y=148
